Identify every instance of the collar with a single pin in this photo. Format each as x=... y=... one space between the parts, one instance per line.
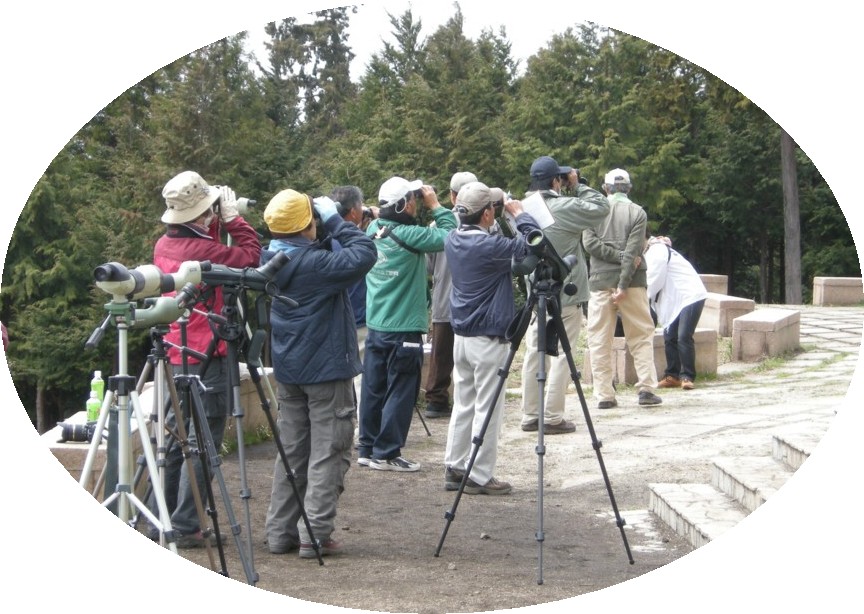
x=188 y=230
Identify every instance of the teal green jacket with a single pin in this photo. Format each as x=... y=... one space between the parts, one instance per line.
x=396 y=285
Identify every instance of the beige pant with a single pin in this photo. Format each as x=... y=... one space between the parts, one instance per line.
x=638 y=333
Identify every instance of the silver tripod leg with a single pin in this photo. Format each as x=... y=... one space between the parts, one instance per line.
x=124 y=490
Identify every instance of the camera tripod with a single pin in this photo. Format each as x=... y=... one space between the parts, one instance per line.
x=545 y=294
x=121 y=393
x=231 y=327
x=166 y=385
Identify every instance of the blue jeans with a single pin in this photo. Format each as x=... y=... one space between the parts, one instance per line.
x=392 y=366
x=679 y=344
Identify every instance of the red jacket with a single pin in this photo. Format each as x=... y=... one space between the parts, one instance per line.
x=187 y=242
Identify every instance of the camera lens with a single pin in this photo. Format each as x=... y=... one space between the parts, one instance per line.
x=75 y=432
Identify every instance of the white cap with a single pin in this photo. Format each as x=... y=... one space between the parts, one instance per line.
x=618 y=175
x=395 y=189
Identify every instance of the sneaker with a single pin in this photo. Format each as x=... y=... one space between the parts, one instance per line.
x=492 y=487
x=363 y=461
x=670 y=381
x=434 y=410
x=394 y=464
x=283 y=548
x=687 y=384
x=565 y=426
x=607 y=404
x=452 y=479
x=646 y=397
x=327 y=547
x=530 y=427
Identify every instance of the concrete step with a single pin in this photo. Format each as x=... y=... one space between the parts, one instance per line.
x=749 y=480
x=793 y=448
x=697 y=512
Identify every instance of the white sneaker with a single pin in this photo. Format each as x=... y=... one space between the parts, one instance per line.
x=394 y=464
x=364 y=461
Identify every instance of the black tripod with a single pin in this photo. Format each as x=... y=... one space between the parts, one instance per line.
x=545 y=295
x=232 y=328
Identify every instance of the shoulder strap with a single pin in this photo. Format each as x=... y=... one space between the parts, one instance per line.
x=387 y=231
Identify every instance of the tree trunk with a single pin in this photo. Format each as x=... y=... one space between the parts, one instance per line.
x=792 y=220
x=40 y=409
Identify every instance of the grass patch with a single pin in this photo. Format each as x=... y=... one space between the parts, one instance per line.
x=250 y=438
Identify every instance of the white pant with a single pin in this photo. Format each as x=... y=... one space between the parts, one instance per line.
x=477 y=362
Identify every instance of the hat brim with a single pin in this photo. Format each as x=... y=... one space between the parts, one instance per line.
x=412 y=186
x=173 y=216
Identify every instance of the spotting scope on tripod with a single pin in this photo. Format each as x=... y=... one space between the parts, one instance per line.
x=148 y=282
x=547 y=272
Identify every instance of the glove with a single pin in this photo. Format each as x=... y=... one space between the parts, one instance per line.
x=228 y=204
x=325 y=207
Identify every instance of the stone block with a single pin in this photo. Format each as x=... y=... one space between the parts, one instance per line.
x=838 y=291
x=720 y=311
x=622 y=361
x=765 y=332
x=73 y=455
x=718 y=284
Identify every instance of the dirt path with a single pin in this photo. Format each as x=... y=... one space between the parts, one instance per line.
x=392 y=524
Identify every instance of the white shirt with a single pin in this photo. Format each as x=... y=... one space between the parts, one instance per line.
x=673 y=283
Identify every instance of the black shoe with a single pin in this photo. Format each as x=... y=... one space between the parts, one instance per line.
x=565 y=426
x=197 y=540
x=647 y=397
x=607 y=404
x=530 y=427
x=436 y=410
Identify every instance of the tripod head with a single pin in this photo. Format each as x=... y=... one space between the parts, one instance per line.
x=544 y=262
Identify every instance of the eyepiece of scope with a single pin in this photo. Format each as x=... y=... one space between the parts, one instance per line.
x=111 y=271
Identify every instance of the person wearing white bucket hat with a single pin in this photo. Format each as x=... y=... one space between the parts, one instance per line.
x=195 y=213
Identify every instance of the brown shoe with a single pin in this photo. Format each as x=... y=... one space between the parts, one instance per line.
x=492 y=487
x=670 y=381
x=565 y=426
x=687 y=384
x=530 y=426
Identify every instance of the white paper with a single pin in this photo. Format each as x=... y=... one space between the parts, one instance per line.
x=536 y=206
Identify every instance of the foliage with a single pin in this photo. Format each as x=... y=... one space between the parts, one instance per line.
x=704 y=160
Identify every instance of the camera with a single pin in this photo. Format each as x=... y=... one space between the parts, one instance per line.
x=367 y=213
x=76 y=432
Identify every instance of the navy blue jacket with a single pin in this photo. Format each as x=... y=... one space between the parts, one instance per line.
x=481 y=301
x=316 y=341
